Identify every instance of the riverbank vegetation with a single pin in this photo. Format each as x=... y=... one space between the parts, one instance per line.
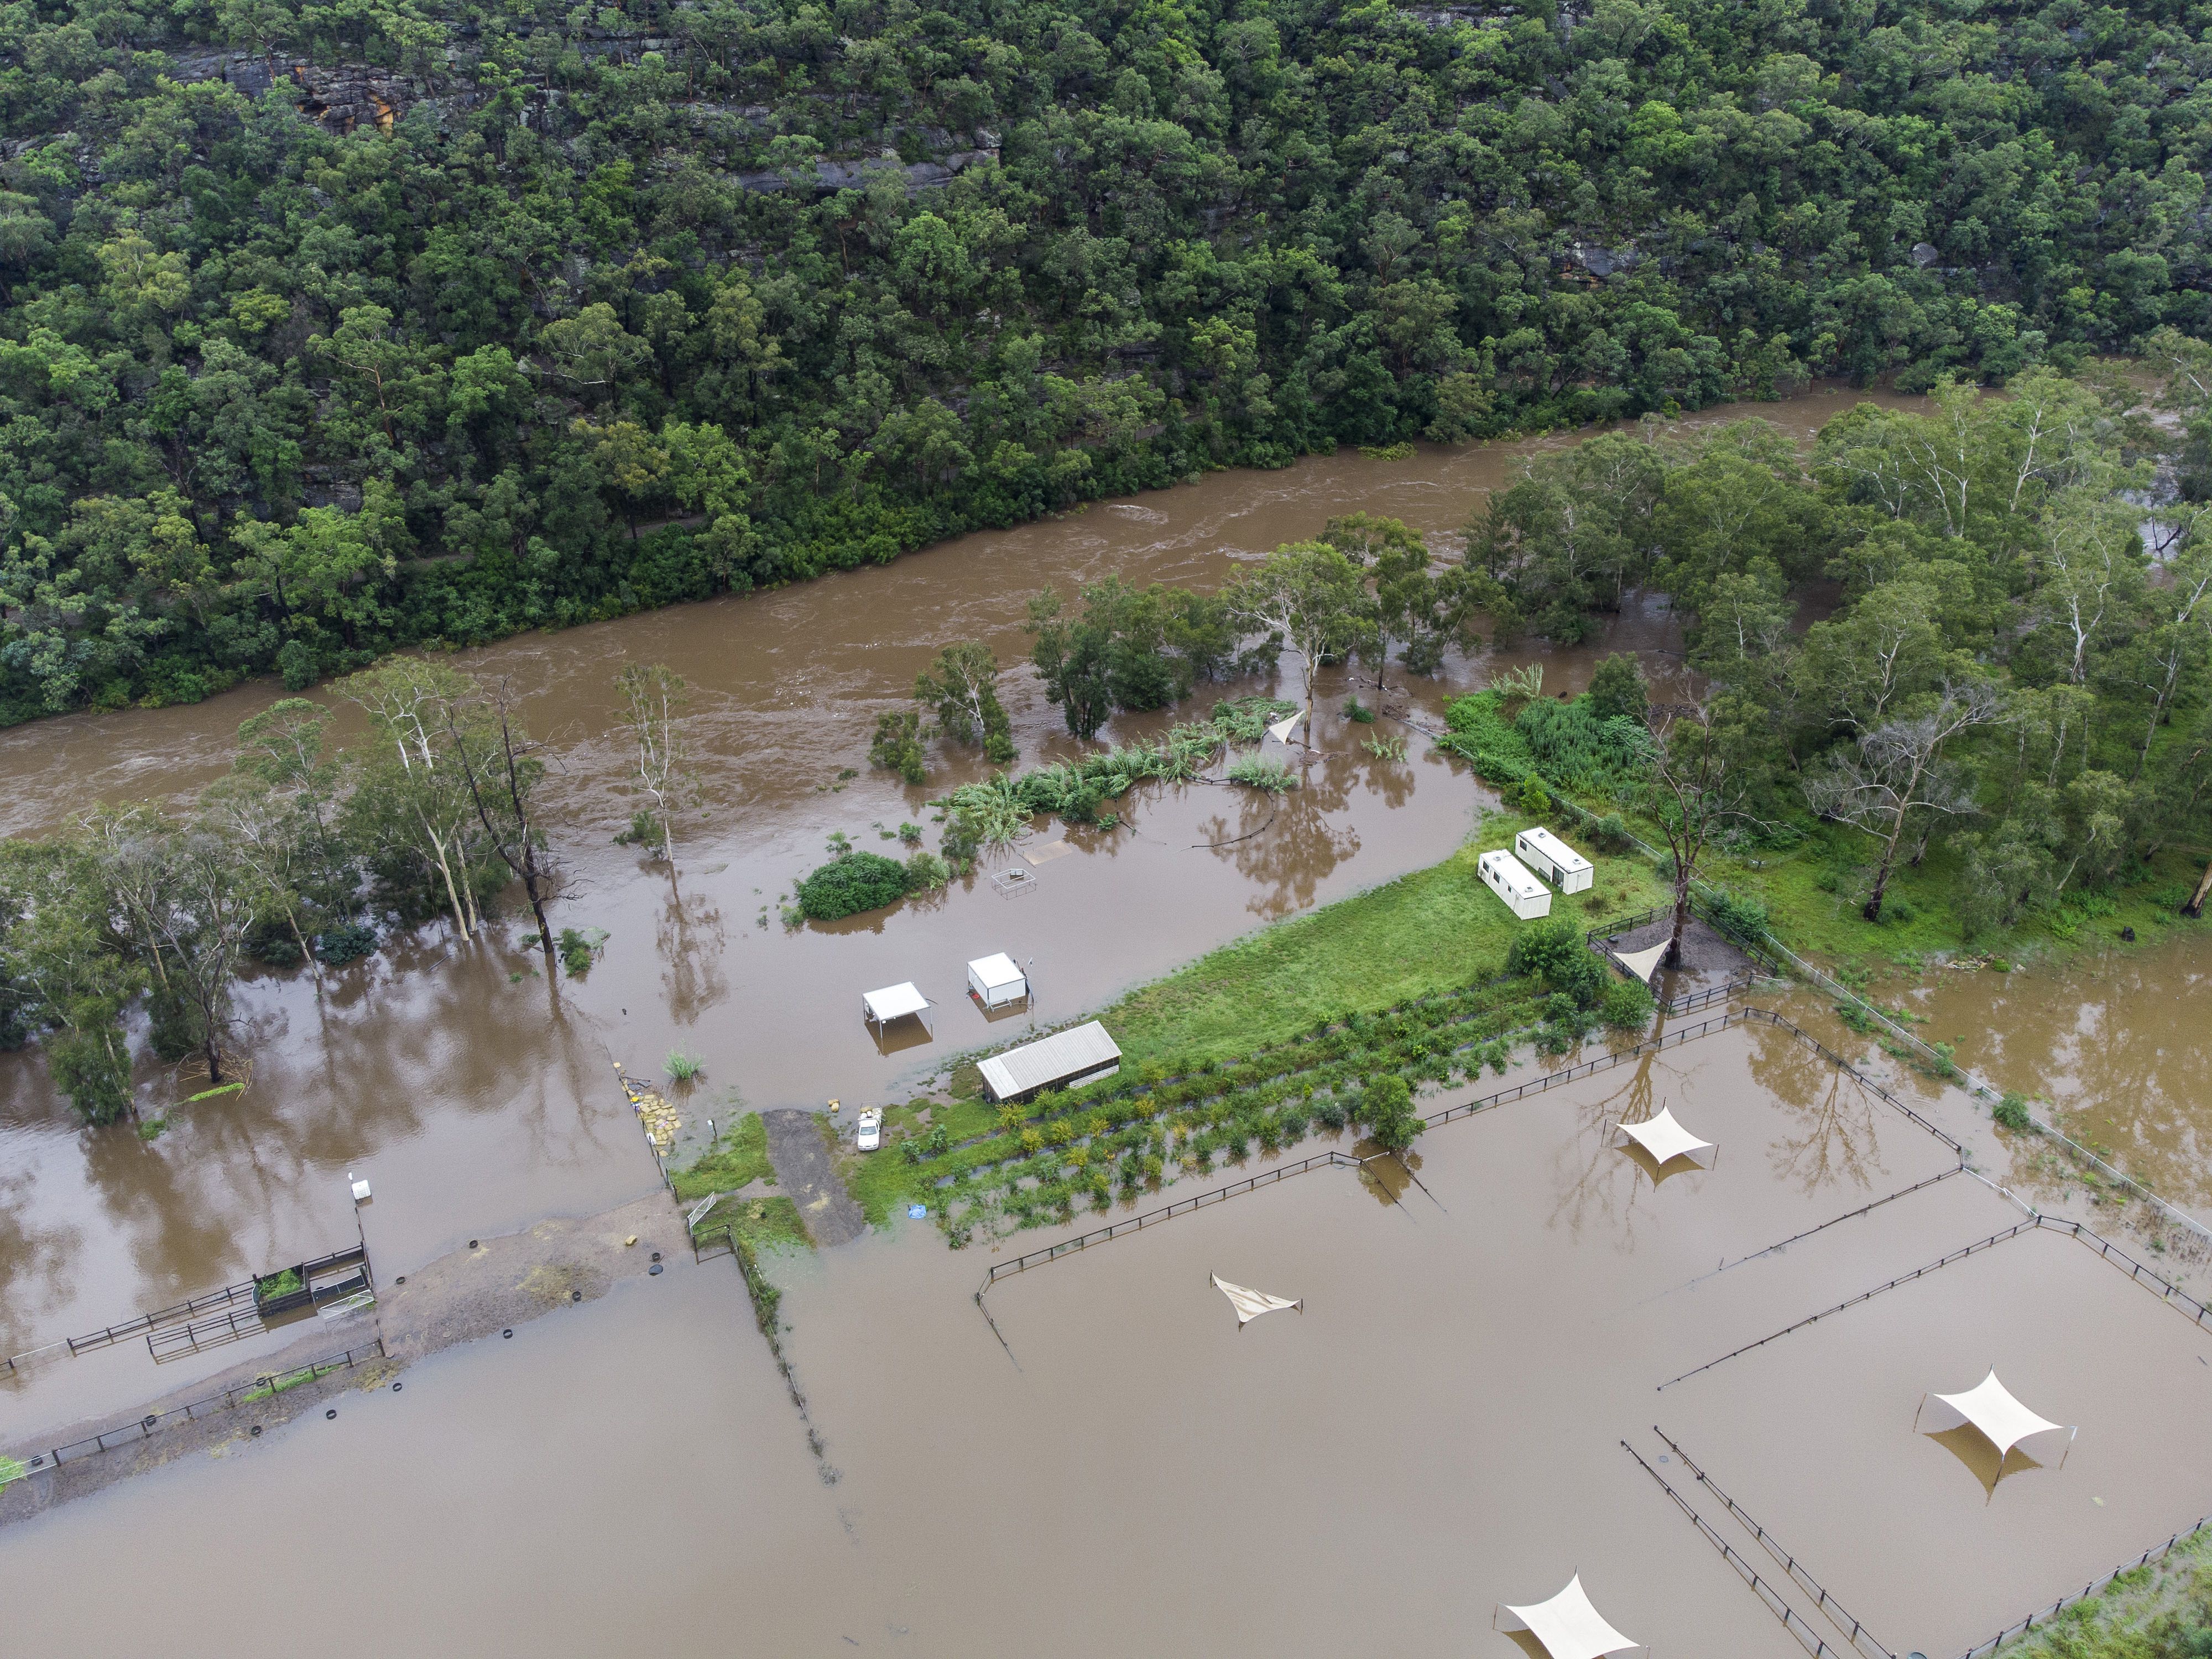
x=322 y=334
x=293 y=860
x=1999 y=718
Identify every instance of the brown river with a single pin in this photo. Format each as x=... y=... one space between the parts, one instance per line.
x=624 y=1477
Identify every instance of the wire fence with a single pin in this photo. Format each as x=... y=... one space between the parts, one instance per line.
x=1848 y=1215
x=1776 y=1604
x=2165 y=1290
x=262 y=1388
x=1862 y=1639
x=2044 y=1615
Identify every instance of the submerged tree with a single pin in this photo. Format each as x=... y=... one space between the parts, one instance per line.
x=1308 y=596
x=501 y=770
x=961 y=687
x=654 y=696
x=407 y=801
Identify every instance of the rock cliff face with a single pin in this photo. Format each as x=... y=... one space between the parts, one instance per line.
x=341 y=98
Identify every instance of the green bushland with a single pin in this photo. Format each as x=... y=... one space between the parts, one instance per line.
x=573 y=337
x=276 y=1285
x=737 y=1157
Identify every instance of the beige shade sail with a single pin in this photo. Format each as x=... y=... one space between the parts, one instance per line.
x=1567 y=1626
x=1663 y=1137
x=1250 y=1304
x=1642 y=963
x=1282 y=729
x=1991 y=1407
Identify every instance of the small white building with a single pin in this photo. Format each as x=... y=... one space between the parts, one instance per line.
x=997 y=981
x=1547 y=855
x=1066 y=1059
x=1507 y=877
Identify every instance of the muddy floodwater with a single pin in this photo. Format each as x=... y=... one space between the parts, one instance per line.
x=476 y=1096
x=1441 y=1428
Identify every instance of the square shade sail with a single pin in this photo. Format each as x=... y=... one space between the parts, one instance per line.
x=1568 y=1627
x=1663 y=1137
x=893 y=1001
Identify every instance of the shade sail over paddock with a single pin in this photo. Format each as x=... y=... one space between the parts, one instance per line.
x=1989 y=1406
x=1250 y=1304
x=1642 y=963
x=1282 y=729
x=1567 y=1627
x=1663 y=1137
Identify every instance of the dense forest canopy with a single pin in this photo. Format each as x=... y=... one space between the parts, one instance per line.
x=328 y=328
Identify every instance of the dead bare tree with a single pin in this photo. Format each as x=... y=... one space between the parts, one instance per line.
x=653 y=704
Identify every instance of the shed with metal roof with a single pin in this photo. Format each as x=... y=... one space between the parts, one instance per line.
x=1065 y=1059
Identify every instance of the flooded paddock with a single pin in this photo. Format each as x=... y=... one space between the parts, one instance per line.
x=476 y=1097
x=1438 y=1430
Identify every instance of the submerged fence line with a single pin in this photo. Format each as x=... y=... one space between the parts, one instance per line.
x=1849 y=1215
x=264 y=1387
x=2167 y=1290
x=1860 y=1635
x=1777 y=1604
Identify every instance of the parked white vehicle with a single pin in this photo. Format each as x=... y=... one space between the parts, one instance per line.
x=870 y=1134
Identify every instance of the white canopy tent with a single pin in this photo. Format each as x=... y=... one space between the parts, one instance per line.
x=1567 y=1626
x=1990 y=1406
x=997 y=979
x=1250 y=1304
x=1663 y=1137
x=892 y=1002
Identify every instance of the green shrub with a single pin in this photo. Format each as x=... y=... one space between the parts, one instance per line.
x=1552 y=949
x=2012 y=1112
x=845 y=886
x=1356 y=710
x=1739 y=916
x=1272 y=776
x=1627 y=1005
x=684 y=1067
x=1388 y=1106
x=347 y=942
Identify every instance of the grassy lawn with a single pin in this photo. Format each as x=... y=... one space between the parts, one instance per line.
x=1812 y=897
x=1431 y=931
x=766 y=1224
x=738 y=1156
